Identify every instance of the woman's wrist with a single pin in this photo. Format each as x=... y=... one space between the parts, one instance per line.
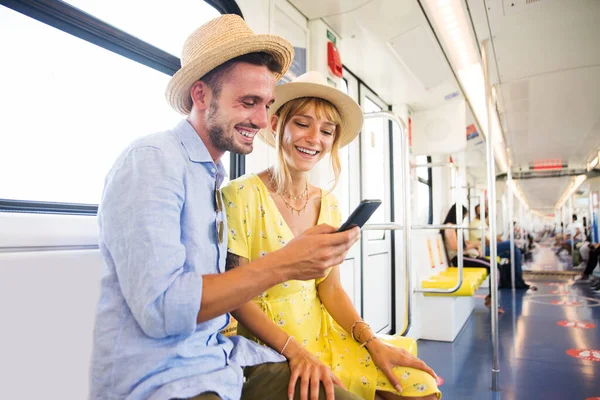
x=292 y=349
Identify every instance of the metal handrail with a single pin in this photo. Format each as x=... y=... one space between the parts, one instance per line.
x=460 y=233
x=405 y=172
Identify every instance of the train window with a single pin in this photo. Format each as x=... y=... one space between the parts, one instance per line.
x=424 y=192
x=152 y=28
x=66 y=123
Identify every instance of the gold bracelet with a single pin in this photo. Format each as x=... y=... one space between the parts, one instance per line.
x=360 y=321
x=286 y=344
x=360 y=333
x=368 y=340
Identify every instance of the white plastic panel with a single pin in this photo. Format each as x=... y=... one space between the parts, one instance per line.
x=43 y=230
x=441 y=130
x=377 y=296
x=48 y=304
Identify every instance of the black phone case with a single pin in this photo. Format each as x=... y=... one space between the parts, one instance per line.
x=361 y=214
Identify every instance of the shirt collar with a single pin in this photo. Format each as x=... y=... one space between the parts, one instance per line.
x=195 y=147
x=192 y=142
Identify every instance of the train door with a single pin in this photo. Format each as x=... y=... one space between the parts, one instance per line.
x=377 y=277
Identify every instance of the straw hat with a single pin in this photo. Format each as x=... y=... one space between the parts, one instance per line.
x=313 y=84
x=214 y=43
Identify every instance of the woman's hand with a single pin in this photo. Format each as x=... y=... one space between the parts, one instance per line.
x=311 y=371
x=387 y=357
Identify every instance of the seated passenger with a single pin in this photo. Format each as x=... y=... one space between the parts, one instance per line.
x=313 y=324
x=474 y=259
x=574 y=235
x=592 y=262
x=502 y=249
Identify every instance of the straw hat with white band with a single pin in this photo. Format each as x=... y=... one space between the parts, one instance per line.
x=313 y=84
x=214 y=43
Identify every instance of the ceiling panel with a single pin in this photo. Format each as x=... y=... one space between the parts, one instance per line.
x=560 y=119
x=544 y=193
x=544 y=36
x=320 y=8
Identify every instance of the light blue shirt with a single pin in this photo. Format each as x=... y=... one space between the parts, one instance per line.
x=158 y=237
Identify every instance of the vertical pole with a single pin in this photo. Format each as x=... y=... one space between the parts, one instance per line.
x=406 y=215
x=570 y=219
x=511 y=232
x=491 y=171
x=459 y=219
x=483 y=224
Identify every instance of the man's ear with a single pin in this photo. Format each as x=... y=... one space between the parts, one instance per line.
x=200 y=94
x=274 y=121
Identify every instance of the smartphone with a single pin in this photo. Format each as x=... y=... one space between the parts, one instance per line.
x=361 y=214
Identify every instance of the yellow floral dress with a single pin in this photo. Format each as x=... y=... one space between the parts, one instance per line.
x=256 y=228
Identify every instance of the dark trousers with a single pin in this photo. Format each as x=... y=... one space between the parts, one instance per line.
x=592 y=261
x=270 y=382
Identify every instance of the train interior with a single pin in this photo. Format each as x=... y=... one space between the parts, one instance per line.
x=469 y=102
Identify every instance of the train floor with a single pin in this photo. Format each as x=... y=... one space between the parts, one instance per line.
x=549 y=342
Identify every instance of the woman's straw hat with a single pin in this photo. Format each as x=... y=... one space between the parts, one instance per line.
x=214 y=43
x=313 y=84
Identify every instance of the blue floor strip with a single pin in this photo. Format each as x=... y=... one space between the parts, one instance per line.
x=534 y=363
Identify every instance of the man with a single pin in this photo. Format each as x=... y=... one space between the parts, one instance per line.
x=574 y=234
x=502 y=248
x=164 y=294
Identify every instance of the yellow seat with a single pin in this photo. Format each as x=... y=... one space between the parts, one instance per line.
x=447 y=279
x=468 y=287
x=476 y=273
x=408 y=344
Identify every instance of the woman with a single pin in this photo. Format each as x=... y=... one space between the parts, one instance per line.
x=312 y=323
x=471 y=258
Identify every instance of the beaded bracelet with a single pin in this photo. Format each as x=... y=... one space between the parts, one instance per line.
x=360 y=321
x=368 y=340
x=286 y=344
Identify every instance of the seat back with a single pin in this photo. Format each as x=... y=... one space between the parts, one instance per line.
x=428 y=254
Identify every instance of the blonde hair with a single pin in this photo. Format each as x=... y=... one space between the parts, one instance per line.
x=323 y=109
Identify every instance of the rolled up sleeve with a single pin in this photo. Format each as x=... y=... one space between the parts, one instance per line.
x=140 y=216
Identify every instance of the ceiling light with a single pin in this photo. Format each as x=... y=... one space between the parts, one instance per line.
x=451 y=24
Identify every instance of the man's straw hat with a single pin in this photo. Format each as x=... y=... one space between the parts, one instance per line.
x=214 y=43
x=313 y=84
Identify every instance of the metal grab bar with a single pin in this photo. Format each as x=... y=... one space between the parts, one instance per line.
x=383 y=227
x=438 y=227
x=491 y=175
x=406 y=206
x=459 y=230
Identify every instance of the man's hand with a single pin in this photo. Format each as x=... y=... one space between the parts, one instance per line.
x=311 y=254
x=311 y=372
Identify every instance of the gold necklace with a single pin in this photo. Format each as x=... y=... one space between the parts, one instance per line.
x=292 y=208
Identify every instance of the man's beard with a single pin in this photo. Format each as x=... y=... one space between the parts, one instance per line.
x=217 y=133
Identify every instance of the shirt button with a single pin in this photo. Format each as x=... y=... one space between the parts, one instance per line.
x=213 y=170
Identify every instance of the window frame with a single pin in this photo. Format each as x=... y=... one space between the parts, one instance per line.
x=73 y=21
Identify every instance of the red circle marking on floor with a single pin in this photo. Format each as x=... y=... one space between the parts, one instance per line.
x=559 y=292
x=553 y=284
x=439 y=381
x=576 y=324
x=585 y=354
x=566 y=303
x=480 y=296
x=593 y=398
